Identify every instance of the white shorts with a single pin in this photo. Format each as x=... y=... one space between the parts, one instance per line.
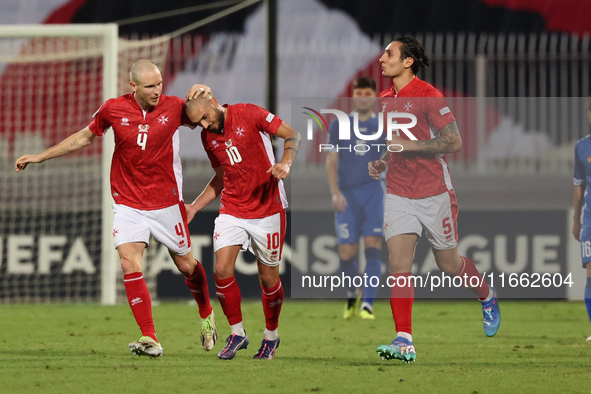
x=167 y=225
x=263 y=237
x=438 y=215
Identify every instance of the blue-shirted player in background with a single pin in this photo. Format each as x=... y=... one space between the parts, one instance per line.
x=359 y=202
x=582 y=218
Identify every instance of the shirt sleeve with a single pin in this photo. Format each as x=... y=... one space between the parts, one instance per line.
x=212 y=159
x=438 y=112
x=265 y=120
x=579 y=177
x=101 y=119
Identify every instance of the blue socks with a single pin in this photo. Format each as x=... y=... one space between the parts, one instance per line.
x=350 y=268
x=372 y=268
x=588 y=296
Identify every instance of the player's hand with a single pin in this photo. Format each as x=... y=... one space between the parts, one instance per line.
x=398 y=144
x=339 y=202
x=190 y=212
x=577 y=230
x=376 y=167
x=197 y=90
x=23 y=161
x=279 y=170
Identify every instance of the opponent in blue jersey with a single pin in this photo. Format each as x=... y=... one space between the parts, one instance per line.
x=359 y=202
x=582 y=218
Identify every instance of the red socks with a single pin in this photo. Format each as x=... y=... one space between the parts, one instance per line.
x=468 y=269
x=402 y=295
x=198 y=285
x=229 y=296
x=140 y=302
x=272 y=301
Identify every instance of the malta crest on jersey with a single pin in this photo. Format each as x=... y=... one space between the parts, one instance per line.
x=229 y=143
x=143 y=128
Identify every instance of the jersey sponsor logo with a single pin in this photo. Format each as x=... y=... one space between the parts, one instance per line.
x=124 y=122
x=444 y=111
x=163 y=120
x=143 y=128
x=240 y=131
x=229 y=143
x=214 y=143
x=269 y=117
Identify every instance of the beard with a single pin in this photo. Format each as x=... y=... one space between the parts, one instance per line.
x=219 y=117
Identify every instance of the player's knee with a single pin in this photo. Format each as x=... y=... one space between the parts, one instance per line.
x=268 y=279
x=450 y=266
x=224 y=269
x=130 y=265
x=185 y=265
x=347 y=252
x=346 y=255
x=399 y=265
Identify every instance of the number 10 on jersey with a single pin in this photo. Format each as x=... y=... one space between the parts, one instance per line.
x=234 y=155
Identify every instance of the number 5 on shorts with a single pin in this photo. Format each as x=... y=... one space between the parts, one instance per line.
x=446 y=226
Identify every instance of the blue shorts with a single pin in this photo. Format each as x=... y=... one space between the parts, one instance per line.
x=585 y=238
x=364 y=214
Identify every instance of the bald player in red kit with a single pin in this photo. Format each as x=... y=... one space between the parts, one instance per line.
x=146 y=184
x=237 y=139
x=421 y=193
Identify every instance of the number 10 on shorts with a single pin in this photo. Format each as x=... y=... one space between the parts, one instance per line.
x=273 y=241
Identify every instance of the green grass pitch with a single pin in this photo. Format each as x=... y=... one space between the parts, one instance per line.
x=540 y=348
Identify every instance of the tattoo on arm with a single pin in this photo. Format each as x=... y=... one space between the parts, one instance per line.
x=448 y=141
x=74 y=144
x=294 y=145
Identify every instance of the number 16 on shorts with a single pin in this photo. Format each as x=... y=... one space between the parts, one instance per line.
x=586 y=251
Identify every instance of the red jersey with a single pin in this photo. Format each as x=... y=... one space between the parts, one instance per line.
x=418 y=175
x=146 y=169
x=245 y=152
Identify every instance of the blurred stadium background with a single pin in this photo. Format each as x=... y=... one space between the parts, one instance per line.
x=520 y=67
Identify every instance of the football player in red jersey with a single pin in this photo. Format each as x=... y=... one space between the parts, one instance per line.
x=421 y=193
x=146 y=184
x=237 y=139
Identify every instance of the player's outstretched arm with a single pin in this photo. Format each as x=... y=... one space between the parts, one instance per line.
x=75 y=142
x=196 y=90
x=290 y=150
x=449 y=141
x=209 y=193
x=579 y=200
x=339 y=202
